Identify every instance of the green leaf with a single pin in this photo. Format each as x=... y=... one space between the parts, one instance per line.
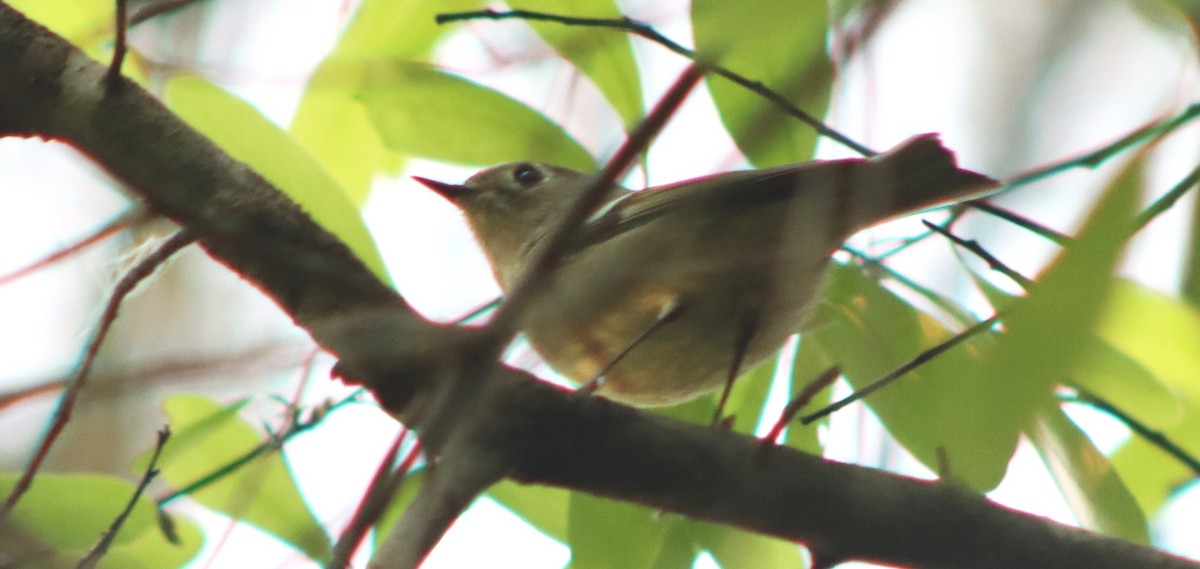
x=1048 y=330
x=595 y=524
x=248 y=136
x=331 y=122
x=71 y=511
x=738 y=549
x=1086 y=479
x=1161 y=333
x=868 y=332
x=208 y=437
x=82 y=22
x=421 y=110
x=604 y=55
x=542 y=507
x=1118 y=377
x=786 y=54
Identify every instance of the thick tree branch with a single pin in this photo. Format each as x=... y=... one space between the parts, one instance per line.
x=530 y=431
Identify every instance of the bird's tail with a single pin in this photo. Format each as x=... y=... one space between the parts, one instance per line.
x=917 y=174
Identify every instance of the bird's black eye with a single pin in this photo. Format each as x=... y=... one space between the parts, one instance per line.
x=527 y=175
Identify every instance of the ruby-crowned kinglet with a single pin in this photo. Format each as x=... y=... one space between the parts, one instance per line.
x=736 y=259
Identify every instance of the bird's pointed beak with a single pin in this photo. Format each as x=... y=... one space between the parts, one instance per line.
x=451 y=192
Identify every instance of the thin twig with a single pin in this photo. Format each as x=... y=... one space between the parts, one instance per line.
x=117 y=224
x=1099 y=156
x=62 y=414
x=380 y=492
x=646 y=31
x=811 y=389
x=1152 y=436
x=274 y=442
x=112 y=79
x=1020 y=221
x=914 y=363
x=93 y=556
x=1164 y=202
x=974 y=247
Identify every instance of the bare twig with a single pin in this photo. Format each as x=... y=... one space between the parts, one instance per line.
x=644 y=30
x=974 y=247
x=275 y=441
x=120 y=222
x=62 y=414
x=1164 y=202
x=93 y=556
x=1152 y=436
x=1020 y=221
x=811 y=389
x=112 y=78
x=1101 y=155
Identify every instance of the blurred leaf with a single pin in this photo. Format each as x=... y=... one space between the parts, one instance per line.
x=421 y=110
x=331 y=122
x=679 y=549
x=738 y=549
x=1152 y=474
x=81 y=22
x=786 y=53
x=207 y=437
x=1087 y=480
x=1159 y=332
x=543 y=507
x=248 y=136
x=604 y=55
x=1119 y=378
x=868 y=332
x=1047 y=331
x=596 y=524
x=71 y=511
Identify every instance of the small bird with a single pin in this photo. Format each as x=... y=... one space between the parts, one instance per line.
x=670 y=292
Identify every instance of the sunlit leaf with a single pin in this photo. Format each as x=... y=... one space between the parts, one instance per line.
x=867 y=331
x=739 y=549
x=1087 y=480
x=331 y=121
x=208 y=437
x=248 y=136
x=1161 y=333
x=81 y=22
x=421 y=110
x=72 y=511
x=787 y=55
